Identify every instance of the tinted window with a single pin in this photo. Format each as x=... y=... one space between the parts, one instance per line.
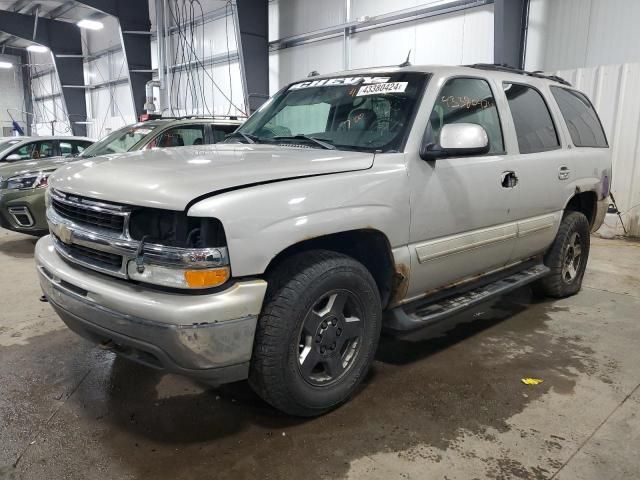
x=119 y=141
x=34 y=150
x=221 y=131
x=466 y=100
x=179 y=137
x=72 y=147
x=582 y=120
x=531 y=117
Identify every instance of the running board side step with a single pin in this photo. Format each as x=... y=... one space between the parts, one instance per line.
x=428 y=312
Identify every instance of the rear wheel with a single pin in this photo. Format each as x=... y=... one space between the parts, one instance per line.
x=567 y=258
x=318 y=333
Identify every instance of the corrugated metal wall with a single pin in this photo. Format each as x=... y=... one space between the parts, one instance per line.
x=566 y=34
x=613 y=90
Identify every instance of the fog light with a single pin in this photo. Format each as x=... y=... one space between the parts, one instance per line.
x=206 y=278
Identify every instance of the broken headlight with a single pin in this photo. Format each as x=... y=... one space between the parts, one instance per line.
x=178 y=251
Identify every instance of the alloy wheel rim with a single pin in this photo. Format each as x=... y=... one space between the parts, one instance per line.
x=330 y=338
x=572 y=258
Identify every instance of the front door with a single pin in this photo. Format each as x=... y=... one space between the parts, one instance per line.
x=461 y=224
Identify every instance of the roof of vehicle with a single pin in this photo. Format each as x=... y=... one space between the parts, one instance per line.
x=500 y=72
x=46 y=137
x=190 y=120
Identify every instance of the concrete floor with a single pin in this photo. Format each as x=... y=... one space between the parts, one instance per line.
x=437 y=405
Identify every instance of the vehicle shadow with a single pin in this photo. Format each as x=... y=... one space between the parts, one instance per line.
x=22 y=247
x=424 y=388
x=218 y=412
x=411 y=347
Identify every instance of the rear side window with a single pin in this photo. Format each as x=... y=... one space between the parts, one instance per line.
x=221 y=131
x=73 y=147
x=181 y=136
x=534 y=126
x=582 y=120
x=466 y=100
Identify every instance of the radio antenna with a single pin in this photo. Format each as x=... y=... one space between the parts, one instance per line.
x=406 y=63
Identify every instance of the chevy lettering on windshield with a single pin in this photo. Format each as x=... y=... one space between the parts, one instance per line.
x=339 y=82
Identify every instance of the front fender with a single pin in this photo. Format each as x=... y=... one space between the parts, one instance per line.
x=262 y=221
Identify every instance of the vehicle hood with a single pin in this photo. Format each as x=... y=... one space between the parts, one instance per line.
x=171 y=178
x=25 y=166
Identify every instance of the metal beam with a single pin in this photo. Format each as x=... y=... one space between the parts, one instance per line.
x=378 y=21
x=252 y=25
x=510 y=19
x=60 y=10
x=61 y=38
x=135 y=34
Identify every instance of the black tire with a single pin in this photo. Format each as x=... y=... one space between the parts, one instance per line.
x=565 y=280
x=280 y=371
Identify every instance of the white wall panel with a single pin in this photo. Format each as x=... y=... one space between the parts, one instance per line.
x=292 y=64
x=582 y=33
x=293 y=17
x=458 y=38
x=108 y=37
x=12 y=97
x=613 y=90
x=370 y=8
x=215 y=100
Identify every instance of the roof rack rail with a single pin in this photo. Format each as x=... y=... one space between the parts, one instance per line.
x=148 y=116
x=501 y=67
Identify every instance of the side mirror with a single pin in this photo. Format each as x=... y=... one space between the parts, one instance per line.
x=13 y=157
x=457 y=140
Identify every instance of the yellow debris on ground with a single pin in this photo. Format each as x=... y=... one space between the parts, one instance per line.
x=532 y=381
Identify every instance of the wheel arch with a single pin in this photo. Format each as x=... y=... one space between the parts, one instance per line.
x=369 y=246
x=585 y=202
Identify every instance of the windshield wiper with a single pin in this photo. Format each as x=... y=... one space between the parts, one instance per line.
x=247 y=136
x=323 y=144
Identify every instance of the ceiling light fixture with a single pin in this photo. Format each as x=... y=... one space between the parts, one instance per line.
x=90 y=24
x=6 y=65
x=37 y=49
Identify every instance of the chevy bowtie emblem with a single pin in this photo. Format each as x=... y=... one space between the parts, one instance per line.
x=65 y=234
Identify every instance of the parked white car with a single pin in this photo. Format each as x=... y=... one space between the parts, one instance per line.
x=380 y=198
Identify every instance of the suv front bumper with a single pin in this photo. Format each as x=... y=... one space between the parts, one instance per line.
x=207 y=336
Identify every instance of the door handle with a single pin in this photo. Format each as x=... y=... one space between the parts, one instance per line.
x=508 y=179
x=564 y=172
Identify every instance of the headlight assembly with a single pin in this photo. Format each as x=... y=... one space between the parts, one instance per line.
x=27 y=181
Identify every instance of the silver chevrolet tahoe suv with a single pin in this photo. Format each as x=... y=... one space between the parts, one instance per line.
x=348 y=203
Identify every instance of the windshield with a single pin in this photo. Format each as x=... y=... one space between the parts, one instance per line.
x=119 y=141
x=7 y=142
x=368 y=113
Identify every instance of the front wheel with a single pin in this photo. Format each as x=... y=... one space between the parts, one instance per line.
x=318 y=333
x=567 y=257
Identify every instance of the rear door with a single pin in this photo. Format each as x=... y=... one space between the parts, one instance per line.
x=542 y=167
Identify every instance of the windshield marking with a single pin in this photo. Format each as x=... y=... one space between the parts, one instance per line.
x=339 y=82
x=395 y=87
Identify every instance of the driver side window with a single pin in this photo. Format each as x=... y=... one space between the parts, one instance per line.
x=466 y=100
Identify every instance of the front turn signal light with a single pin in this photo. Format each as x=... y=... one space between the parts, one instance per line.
x=206 y=278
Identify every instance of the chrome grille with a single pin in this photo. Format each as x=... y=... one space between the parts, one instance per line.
x=98 y=260
x=86 y=211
